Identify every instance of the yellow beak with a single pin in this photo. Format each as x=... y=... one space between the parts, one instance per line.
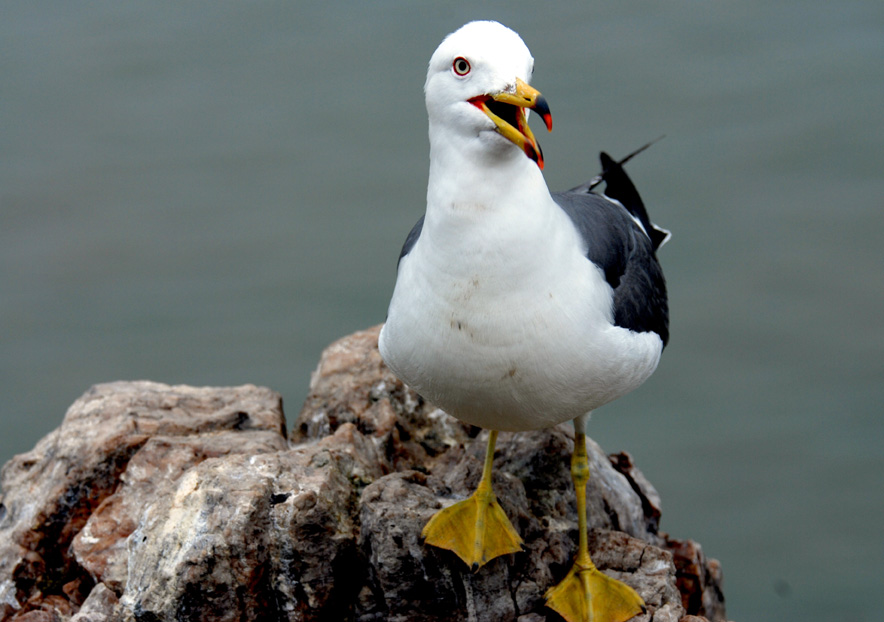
x=511 y=118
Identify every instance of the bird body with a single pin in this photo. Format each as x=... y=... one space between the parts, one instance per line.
x=514 y=308
x=500 y=315
x=499 y=318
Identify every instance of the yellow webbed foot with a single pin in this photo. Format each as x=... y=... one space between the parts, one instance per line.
x=588 y=595
x=475 y=529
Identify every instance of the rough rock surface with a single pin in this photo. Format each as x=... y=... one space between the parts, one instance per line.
x=155 y=502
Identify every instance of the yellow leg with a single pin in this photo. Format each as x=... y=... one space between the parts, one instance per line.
x=586 y=594
x=476 y=529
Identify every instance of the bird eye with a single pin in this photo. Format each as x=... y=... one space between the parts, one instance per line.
x=461 y=66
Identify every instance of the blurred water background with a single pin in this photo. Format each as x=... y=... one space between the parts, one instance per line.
x=210 y=193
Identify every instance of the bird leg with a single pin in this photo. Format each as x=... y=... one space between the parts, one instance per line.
x=475 y=529
x=586 y=594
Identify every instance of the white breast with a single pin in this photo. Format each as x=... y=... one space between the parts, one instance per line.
x=506 y=325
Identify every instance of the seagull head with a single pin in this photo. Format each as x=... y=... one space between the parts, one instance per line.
x=478 y=95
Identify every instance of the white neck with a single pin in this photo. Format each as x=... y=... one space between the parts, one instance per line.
x=488 y=210
x=485 y=172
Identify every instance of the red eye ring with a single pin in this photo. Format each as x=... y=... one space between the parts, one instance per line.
x=461 y=66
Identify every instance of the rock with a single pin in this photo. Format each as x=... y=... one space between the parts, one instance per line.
x=268 y=533
x=699 y=579
x=100 y=547
x=101 y=605
x=77 y=481
x=154 y=503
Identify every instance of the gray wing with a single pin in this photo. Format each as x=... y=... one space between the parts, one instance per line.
x=626 y=255
x=410 y=240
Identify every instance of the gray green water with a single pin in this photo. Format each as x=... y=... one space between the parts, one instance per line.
x=210 y=193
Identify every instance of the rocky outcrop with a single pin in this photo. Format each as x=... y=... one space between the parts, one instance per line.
x=155 y=502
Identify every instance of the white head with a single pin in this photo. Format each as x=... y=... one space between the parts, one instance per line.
x=477 y=93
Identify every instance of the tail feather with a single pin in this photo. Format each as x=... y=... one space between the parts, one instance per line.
x=619 y=187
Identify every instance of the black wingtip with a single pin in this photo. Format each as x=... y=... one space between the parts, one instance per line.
x=609 y=163
x=639 y=150
x=619 y=186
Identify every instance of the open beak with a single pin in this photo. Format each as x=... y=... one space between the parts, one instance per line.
x=508 y=110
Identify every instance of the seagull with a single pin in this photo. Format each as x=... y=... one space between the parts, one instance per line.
x=515 y=308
